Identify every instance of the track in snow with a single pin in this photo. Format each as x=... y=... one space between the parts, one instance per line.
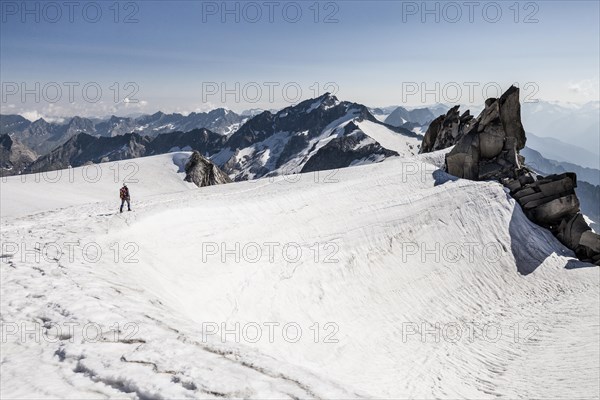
x=388 y=287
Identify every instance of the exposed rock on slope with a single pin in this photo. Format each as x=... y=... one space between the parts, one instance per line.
x=485 y=147
x=83 y=148
x=488 y=146
x=445 y=130
x=202 y=140
x=588 y=179
x=551 y=202
x=14 y=156
x=202 y=172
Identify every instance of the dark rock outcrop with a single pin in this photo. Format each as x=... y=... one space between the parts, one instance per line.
x=551 y=202
x=446 y=130
x=14 y=156
x=487 y=148
x=547 y=200
x=202 y=172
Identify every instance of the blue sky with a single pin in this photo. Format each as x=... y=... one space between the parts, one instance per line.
x=374 y=52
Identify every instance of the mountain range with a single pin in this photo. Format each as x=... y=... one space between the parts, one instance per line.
x=317 y=134
x=578 y=125
x=42 y=136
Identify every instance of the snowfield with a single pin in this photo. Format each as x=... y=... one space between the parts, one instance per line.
x=390 y=280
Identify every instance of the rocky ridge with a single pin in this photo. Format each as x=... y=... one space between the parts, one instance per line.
x=487 y=148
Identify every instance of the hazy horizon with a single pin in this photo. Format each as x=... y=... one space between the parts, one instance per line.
x=98 y=59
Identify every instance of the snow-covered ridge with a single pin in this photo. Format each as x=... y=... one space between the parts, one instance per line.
x=384 y=292
x=147 y=176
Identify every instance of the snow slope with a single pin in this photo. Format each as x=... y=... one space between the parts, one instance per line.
x=402 y=144
x=390 y=260
x=153 y=175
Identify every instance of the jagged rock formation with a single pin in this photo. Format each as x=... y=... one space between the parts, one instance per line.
x=202 y=172
x=588 y=181
x=547 y=200
x=14 y=156
x=551 y=202
x=445 y=130
x=488 y=146
x=485 y=147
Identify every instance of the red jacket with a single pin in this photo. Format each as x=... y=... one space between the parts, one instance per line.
x=124 y=193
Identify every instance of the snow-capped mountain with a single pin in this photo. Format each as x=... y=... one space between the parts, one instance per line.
x=219 y=120
x=43 y=136
x=253 y=112
x=320 y=133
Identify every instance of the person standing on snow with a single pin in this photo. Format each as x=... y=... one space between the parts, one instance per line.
x=124 y=194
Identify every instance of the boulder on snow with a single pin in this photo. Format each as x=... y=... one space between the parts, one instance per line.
x=202 y=172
